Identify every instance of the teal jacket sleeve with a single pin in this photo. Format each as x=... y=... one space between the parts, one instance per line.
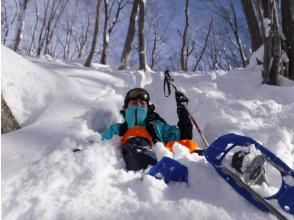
x=166 y=132
x=111 y=131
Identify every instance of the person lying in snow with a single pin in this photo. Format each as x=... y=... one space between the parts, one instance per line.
x=143 y=127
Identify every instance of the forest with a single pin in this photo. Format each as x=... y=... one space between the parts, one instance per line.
x=180 y=35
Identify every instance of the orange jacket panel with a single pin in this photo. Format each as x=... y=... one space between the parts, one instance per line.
x=190 y=144
x=136 y=131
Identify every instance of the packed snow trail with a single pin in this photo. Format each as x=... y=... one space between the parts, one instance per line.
x=43 y=179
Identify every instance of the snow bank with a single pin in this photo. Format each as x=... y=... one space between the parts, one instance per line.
x=26 y=87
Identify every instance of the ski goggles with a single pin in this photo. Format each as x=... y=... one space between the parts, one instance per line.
x=138 y=93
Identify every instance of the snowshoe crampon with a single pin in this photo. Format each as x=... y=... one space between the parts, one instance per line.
x=249 y=175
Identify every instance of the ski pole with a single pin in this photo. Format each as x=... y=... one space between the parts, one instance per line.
x=168 y=81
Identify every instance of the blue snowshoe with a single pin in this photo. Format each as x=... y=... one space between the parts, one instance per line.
x=169 y=169
x=242 y=178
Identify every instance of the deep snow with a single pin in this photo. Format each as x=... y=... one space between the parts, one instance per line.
x=63 y=106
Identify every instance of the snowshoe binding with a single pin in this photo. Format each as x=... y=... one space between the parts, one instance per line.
x=254 y=173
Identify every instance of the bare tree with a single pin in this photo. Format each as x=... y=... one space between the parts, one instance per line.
x=19 y=25
x=82 y=38
x=57 y=11
x=71 y=18
x=108 y=28
x=256 y=39
x=42 y=32
x=51 y=17
x=95 y=36
x=35 y=28
x=204 y=47
x=141 y=34
x=287 y=7
x=157 y=23
x=272 y=41
x=4 y=22
x=184 y=59
x=228 y=13
x=130 y=37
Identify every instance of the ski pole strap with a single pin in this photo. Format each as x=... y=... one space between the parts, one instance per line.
x=168 y=81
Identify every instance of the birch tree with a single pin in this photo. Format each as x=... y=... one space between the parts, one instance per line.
x=95 y=35
x=287 y=7
x=35 y=28
x=141 y=35
x=184 y=55
x=158 y=25
x=253 y=26
x=53 y=9
x=108 y=28
x=130 y=37
x=19 y=25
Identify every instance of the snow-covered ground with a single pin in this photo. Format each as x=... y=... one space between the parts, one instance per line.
x=63 y=106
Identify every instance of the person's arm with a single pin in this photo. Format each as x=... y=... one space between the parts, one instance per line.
x=184 y=124
x=106 y=135
x=111 y=131
x=166 y=132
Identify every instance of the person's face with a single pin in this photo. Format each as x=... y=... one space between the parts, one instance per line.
x=138 y=102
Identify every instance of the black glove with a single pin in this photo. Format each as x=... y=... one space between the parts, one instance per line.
x=181 y=98
x=184 y=124
x=152 y=116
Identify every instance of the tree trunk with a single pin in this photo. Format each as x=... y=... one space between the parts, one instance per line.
x=130 y=37
x=153 y=58
x=8 y=122
x=105 y=33
x=41 y=37
x=276 y=60
x=141 y=34
x=54 y=18
x=256 y=39
x=4 y=22
x=20 y=25
x=95 y=36
x=204 y=47
x=288 y=29
x=267 y=32
x=35 y=28
x=184 y=62
x=272 y=46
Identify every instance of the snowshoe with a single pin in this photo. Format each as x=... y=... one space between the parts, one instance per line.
x=169 y=169
x=244 y=176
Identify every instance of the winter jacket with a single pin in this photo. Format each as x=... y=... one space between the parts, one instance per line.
x=136 y=116
x=165 y=132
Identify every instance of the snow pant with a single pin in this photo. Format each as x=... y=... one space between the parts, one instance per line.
x=138 y=154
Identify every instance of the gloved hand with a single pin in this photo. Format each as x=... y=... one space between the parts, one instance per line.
x=184 y=124
x=181 y=98
x=182 y=112
x=151 y=115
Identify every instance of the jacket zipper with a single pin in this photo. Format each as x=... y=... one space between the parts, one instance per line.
x=136 y=116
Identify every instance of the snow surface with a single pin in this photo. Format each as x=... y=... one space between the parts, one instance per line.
x=63 y=106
